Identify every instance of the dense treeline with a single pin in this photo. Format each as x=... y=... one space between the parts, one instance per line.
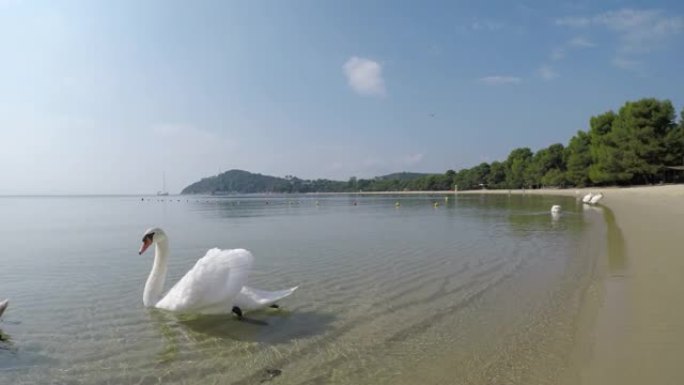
x=633 y=147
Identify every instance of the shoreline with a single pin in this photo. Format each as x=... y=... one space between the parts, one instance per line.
x=637 y=333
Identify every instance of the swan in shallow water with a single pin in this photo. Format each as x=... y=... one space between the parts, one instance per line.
x=215 y=285
x=3 y=306
x=555 y=209
x=587 y=198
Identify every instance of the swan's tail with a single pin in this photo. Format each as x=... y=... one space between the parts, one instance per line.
x=253 y=299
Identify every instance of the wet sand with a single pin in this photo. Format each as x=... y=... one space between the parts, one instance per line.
x=636 y=334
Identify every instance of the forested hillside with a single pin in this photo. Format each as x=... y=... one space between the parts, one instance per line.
x=243 y=182
x=632 y=147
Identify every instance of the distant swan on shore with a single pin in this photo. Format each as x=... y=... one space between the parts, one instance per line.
x=3 y=306
x=594 y=199
x=215 y=285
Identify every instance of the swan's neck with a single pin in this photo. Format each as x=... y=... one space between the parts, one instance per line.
x=155 y=282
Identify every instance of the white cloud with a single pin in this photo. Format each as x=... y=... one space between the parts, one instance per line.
x=627 y=64
x=576 y=22
x=558 y=54
x=547 y=73
x=364 y=76
x=576 y=43
x=639 y=31
x=499 y=80
x=486 y=25
x=581 y=42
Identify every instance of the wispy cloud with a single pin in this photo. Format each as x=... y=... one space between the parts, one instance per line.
x=564 y=50
x=547 y=73
x=499 y=80
x=638 y=31
x=581 y=42
x=364 y=76
x=485 y=25
x=627 y=64
x=558 y=53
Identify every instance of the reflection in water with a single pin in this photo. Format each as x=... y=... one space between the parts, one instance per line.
x=269 y=327
x=5 y=340
x=617 y=261
x=162 y=320
x=266 y=327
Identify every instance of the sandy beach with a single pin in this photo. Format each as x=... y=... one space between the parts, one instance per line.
x=636 y=335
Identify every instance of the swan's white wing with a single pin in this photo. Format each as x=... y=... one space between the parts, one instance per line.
x=212 y=284
x=252 y=299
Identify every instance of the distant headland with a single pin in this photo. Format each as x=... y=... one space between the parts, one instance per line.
x=244 y=182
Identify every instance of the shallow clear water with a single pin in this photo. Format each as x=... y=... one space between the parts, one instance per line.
x=481 y=289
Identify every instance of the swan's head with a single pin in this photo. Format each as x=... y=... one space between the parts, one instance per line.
x=153 y=235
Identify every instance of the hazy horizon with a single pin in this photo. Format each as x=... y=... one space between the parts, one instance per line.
x=104 y=98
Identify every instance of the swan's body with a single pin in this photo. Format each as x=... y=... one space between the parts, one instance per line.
x=555 y=209
x=594 y=199
x=215 y=285
x=3 y=306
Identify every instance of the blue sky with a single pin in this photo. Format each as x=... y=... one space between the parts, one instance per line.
x=104 y=97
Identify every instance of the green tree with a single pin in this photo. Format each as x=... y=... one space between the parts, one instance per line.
x=640 y=131
x=674 y=142
x=518 y=161
x=578 y=159
x=545 y=160
x=606 y=159
x=497 y=175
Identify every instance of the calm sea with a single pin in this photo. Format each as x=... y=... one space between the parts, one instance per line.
x=475 y=289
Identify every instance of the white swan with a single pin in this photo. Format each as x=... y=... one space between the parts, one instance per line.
x=215 y=285
x=587 y=198
x=597 y=197
x=3 y=306
x=555 y=209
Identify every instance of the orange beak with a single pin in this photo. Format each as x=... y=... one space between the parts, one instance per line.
x=145 y=245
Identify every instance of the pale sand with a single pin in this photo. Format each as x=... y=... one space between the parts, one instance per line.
x=637 y=335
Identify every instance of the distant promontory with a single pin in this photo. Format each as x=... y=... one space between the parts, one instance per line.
x=244 y=182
